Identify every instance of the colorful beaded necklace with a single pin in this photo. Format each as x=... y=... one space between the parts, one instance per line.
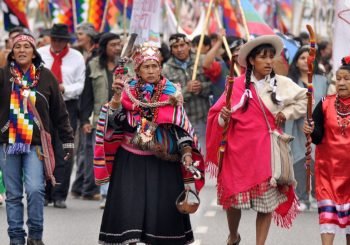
x=343 y=115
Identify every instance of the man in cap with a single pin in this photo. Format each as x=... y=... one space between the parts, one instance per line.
x=68 y=66
x=179 y=69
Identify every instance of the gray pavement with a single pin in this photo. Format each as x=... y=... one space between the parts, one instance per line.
x=79 y=225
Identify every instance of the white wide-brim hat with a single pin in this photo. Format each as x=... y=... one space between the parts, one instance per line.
x=274 y=40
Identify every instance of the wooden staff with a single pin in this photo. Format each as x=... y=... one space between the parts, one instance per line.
x=229 y=85
x=194 y=74
x=310 y=64
x=244 y=20
x=104 y=18
x=224 y=40
x=74 y=13
x=124 y=18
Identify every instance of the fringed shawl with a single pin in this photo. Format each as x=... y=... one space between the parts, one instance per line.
x=247 y=160
x=108 y=140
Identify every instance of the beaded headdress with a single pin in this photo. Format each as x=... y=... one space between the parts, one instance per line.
x=143 y=53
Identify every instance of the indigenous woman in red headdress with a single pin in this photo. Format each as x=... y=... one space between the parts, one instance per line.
x=147 y=136
x=244 y=181
x=330 y=131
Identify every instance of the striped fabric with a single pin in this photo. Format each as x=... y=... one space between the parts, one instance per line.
x=333 y=217
x=14 y=14
x=109 y=140
x=96 y=12
x=107 y=143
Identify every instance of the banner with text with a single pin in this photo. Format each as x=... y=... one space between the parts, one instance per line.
x=146 y=21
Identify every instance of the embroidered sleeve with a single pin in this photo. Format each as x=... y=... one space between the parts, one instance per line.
x=183 y=139
x=317 y=116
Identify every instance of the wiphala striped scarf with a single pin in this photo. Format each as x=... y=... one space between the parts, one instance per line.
x=21 y=117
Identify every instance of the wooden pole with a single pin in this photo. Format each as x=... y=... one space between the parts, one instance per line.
x=47 y=8
x=244 y=20
x=194 y=74
x=301 y=16
x=177 y=13
x=229 y=84
x=224 y=40
x=75 y=21
x=309 y=94
x=124 y=18
x=104 y=18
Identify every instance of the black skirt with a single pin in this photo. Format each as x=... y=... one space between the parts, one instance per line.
x=140 y=203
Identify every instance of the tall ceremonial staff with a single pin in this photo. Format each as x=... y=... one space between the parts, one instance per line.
x=309 y=94
x=196 y=62
x=229 y=88
x=224 y=39
x=104 y=17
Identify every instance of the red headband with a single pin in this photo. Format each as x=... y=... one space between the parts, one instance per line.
x=24 y=37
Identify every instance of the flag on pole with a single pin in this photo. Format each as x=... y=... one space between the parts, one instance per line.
x=146 y=22
x=120 y=6
x=62 y=13
x=81 y=8
x=230 y=22
x=96 y=12
x=14 y=13
x=256 y=24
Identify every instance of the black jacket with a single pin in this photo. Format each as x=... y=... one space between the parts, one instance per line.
x=49 y=104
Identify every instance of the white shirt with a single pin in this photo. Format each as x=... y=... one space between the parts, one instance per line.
x=73 y=71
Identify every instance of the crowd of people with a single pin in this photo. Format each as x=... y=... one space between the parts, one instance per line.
x=142 y=132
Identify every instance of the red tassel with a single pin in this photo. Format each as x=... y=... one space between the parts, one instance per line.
x=286 y=212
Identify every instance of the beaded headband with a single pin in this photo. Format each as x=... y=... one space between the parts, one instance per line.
x=178 y=39
x=144 y=53
x=24 y=37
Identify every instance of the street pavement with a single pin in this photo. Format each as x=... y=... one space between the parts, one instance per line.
x=79 y=225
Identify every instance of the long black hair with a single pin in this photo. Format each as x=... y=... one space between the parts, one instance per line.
x=294 y=72
x=102 y=47
x=263 y=48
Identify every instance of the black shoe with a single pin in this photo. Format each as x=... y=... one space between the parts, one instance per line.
x=75 y=195
x=96 y=197
x=59 y=204
x=34 y=242
x=47 y=202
